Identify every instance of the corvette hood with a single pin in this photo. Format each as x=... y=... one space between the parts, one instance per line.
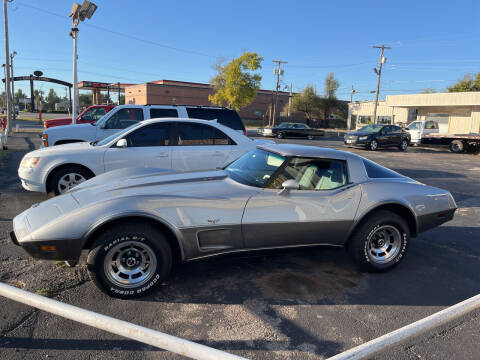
x=147 y=182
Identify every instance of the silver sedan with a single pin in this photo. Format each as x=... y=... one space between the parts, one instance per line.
x=135 y=223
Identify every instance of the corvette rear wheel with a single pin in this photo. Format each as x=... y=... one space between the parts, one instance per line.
x=130 y=260
x=379 y=242
x=373 y=145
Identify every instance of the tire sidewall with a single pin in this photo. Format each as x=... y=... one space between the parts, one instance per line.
x=57 y=175
x=163 y=256
x=401 y=145
x=373 y=148
x=403 y=246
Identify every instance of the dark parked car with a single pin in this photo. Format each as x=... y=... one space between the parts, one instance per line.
x=374 y=136
x=296 y=130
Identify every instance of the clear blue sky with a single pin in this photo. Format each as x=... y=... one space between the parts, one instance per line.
x=434 y=42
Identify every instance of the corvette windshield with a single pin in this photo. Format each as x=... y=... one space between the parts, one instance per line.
x=117 y=134
x=255 y=168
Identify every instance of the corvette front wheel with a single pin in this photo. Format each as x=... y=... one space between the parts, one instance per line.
x=130 y=260
x=380 y=242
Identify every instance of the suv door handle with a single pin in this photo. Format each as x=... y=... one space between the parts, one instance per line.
x=162 y=155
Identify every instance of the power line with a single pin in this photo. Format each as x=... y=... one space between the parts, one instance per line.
x=118 y=33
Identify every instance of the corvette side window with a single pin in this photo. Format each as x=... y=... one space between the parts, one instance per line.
x=313 y=174
x=376 y=171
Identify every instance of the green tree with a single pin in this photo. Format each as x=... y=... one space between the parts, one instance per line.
x=51 y=100
x=236 y=84
x=429 y=91
x=307 y=101
x=19 y=95
x=84 y=100
x=38 y=95
x=329 y=102
x=468 y=83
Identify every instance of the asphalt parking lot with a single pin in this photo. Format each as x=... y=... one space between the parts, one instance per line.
x=308 y=304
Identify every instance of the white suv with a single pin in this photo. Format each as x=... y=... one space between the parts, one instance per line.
x=123 y=116
x=167 y=144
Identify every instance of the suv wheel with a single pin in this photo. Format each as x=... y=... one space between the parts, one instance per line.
x=130 y=260
x=68 y=177
x=380 y=242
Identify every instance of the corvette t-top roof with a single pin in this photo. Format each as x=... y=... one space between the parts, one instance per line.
x=305 y=151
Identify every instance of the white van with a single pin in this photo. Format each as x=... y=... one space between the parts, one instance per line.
x=418 y=129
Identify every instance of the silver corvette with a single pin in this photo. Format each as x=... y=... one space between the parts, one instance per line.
x=135 y=223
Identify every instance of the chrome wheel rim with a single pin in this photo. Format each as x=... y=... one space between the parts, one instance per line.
x=130 y=264
x=69 y=181
x=384 y=244
x=373 y=145
x=404 y=144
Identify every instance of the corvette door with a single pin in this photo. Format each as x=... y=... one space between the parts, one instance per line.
x=199 y=147
x=147 y=146
x=321 y=211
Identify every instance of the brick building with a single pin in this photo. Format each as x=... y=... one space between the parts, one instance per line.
x=188 y=93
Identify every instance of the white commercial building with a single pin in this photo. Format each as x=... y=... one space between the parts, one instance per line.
x=456 y=113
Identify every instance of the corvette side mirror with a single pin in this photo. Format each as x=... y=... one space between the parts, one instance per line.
x=122 y=143
x=289 y=185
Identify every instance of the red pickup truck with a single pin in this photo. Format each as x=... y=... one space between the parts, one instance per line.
x=89 y=115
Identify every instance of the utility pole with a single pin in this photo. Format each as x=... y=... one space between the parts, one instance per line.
x=7 y=71
x=277 y=72
x=379 y=73
x=350 y=108
x=12 y=55
x=290 y=101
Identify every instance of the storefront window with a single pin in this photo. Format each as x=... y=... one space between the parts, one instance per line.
x=364 y=120
x=385 y=120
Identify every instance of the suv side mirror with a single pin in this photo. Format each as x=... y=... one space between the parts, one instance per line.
x=122 y=143
x=289 y=185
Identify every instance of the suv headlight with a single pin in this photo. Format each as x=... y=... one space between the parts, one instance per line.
x=29 y=162
x=363 y=138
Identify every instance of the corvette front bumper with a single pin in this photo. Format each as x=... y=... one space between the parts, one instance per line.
x=50 y=249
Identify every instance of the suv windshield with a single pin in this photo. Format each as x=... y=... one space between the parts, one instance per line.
x=255 y=168
x=370 y=128
x=117 y=134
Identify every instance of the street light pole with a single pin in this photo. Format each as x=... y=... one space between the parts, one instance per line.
x=7 y=72
x=74 y=35
x=12 y=55
x=78 y=13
